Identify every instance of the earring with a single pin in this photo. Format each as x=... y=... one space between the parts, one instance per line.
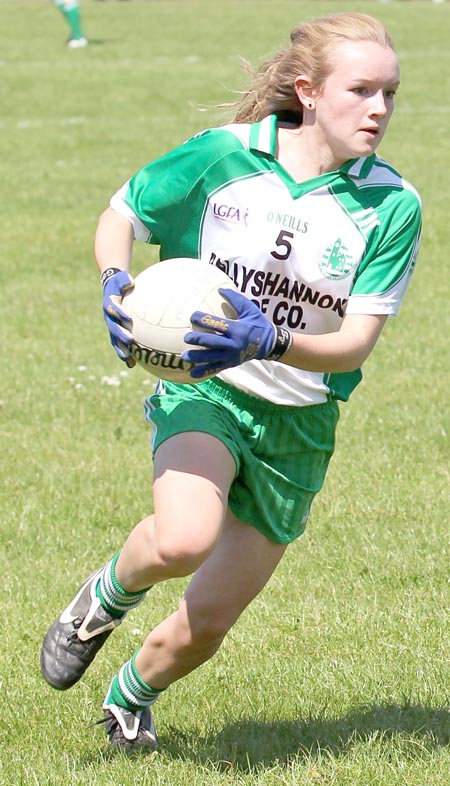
x=310 y=105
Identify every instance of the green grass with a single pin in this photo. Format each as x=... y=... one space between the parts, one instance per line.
x=339 y=673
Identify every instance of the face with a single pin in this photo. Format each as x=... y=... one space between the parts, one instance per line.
x=355 y=104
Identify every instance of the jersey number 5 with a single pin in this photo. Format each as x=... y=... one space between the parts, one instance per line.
x=284 y=245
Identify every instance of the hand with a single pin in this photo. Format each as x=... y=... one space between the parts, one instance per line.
x=117 y=284
x=233 y=341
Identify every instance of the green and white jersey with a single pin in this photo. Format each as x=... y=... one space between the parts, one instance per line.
x=307 y=253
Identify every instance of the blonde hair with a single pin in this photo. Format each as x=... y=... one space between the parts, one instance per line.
x=311 y=53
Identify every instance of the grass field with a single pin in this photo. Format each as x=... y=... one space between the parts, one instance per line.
x=339 y=673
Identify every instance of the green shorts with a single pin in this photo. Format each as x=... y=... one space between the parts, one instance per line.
x=281 y=452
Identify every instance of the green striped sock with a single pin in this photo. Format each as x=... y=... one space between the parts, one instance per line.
x=70 y=9
x=113 y=597
x=129 y=690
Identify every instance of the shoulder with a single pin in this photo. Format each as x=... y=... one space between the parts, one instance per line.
x=383 y=190
x=383 y=174
x=222 y=139
x=195 y=155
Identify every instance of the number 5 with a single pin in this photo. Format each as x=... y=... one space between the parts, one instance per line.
x=283 y=242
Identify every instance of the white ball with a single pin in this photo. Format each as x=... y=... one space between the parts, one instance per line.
x=160 y=306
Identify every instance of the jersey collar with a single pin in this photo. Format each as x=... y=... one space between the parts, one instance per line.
x=263 y=137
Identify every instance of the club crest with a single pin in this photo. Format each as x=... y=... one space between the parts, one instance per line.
x=336 y=262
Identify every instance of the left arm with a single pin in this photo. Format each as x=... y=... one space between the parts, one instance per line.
x=345 y=350
x=230 y=342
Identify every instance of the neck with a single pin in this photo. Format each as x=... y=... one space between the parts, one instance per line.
x=301 y=156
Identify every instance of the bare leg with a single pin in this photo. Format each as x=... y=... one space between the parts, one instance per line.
x=193 y=530
x=222 y=587
x=192 y=476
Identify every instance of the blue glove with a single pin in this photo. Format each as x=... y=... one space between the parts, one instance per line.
x=116 y=283
x=233 y=341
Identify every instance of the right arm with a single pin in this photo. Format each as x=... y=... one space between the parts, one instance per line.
x=114 y=240
x=113 y=247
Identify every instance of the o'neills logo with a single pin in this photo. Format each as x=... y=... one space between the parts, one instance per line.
x=156 y=359
x=214 y=324
x=230 y=213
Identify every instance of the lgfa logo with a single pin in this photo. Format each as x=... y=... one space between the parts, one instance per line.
x=230 y=213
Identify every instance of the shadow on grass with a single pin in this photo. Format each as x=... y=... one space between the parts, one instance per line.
x=248 y=743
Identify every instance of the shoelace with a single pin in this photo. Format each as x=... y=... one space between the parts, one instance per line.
x=108 y=718
x=76 y=625
x=113 y=724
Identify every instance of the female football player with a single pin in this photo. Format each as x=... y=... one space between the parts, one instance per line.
x=320 y=235
x=70 y=10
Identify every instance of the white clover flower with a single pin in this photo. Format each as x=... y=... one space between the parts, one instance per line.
x=111 y=381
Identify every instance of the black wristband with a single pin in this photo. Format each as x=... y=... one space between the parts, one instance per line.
x=108 y=273
x=283 y=342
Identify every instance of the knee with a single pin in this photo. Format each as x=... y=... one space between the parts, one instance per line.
x=207 y=627
x=197 y=631
x=204 y=639
x=181 y=556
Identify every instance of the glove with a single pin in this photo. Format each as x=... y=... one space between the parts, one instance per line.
x=234 y=341
x=116 y=283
